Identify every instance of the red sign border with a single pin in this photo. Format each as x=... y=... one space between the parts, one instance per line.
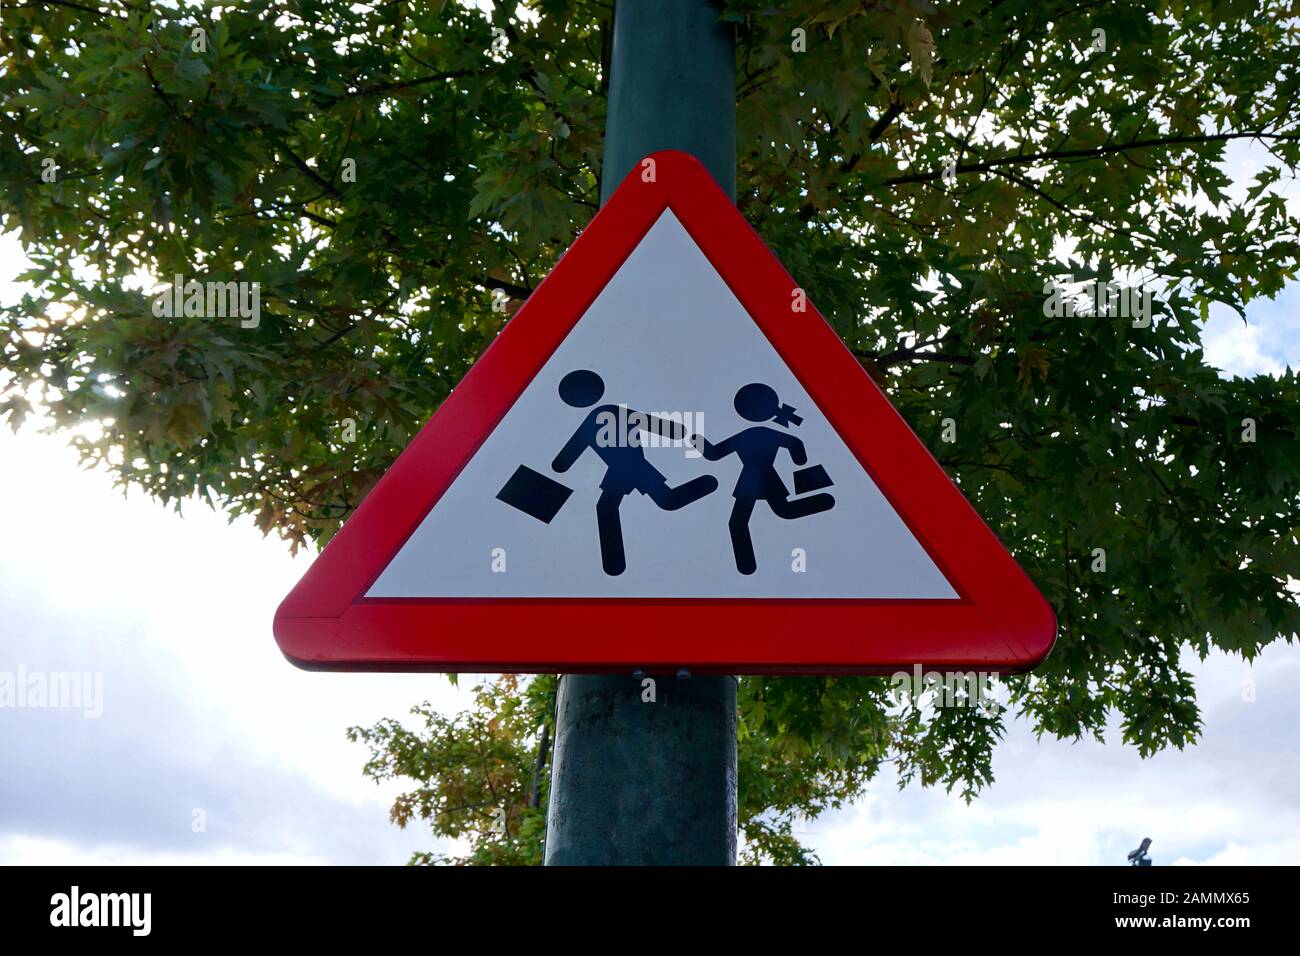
x=1000 y=623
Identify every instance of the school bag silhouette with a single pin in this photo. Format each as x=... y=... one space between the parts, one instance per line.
x=534 y=494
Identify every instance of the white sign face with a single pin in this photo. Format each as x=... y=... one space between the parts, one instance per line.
x=590 y=485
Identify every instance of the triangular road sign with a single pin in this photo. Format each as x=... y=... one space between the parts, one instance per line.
x=666 y=459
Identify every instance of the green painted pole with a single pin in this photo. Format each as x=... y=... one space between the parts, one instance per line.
x=635 y=782
x=672 y=85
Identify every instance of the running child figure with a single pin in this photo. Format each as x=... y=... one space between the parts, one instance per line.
x=613 y=433
x=757 y=449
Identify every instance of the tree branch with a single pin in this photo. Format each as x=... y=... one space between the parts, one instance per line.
x=543 y=745
x=899 y=355
x=301 y=163
x=63 y=3
x=509 y=288
x=1021 y=159
x=392 y=86
x=877 y=130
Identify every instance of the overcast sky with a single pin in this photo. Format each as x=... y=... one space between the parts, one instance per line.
x=201 y=713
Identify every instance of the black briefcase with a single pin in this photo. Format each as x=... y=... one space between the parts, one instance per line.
x=810 y=479
x=534 y=494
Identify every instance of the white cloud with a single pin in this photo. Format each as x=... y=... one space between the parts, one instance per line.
x=200 y=708
x=1234 y=796
x=1264 y=345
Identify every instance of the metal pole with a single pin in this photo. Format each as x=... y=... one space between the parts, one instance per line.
x=635 y=782
x=672 y=85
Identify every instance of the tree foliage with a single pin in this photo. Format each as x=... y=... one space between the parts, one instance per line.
x=925 y=170
x=480 y=775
